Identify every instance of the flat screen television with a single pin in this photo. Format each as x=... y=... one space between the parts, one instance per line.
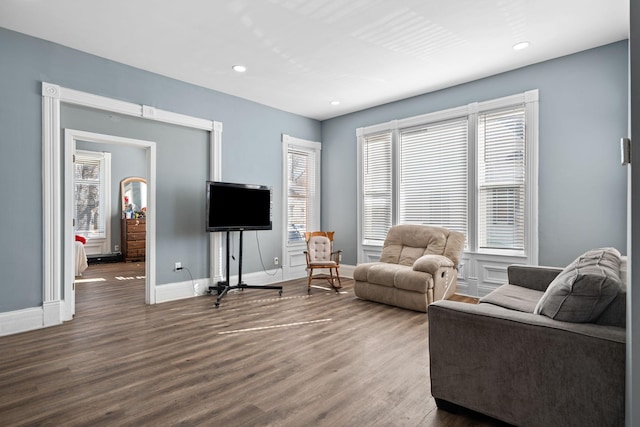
x=234 y=207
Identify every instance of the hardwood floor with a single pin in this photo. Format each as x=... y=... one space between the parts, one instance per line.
x=259 y=360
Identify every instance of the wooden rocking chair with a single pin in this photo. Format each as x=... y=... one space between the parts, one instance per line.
x=320 y=255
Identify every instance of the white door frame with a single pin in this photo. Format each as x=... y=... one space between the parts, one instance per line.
x=53 y=312
x=71 y=136
x=294 y=262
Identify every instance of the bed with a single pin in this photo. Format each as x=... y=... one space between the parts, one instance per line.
x=81 y=257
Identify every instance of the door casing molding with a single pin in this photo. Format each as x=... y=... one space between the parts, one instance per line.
x=55 y=250
x=71 y=136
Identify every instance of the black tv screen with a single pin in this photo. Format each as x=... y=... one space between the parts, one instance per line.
x=233 y=207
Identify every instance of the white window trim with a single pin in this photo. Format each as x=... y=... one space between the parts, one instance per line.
x=480 y=270
x=294 y=261
x=100 y=245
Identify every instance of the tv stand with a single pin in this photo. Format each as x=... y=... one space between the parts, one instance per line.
x=223 y=288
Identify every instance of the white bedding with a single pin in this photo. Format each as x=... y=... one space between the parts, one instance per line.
x=81 y=259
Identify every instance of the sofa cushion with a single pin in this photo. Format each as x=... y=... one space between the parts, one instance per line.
x=361 y=271
x=405 y=243
x=514 y=297
x=415 y=281
x=408 y=255
x=384 y=274
x=616 y=313
x=394 y=275
x=584 y=289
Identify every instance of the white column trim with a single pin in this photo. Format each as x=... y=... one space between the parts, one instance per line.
x=215 y=174
x=150 y=240
x=531 y=181
x=51 y=193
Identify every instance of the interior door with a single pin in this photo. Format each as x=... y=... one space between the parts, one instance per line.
x=69 y=296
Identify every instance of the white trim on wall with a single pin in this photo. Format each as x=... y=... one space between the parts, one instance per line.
x=294 y=262
x=215 y=174
x=52 y=190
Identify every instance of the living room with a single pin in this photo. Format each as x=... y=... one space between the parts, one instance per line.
x=582 y=189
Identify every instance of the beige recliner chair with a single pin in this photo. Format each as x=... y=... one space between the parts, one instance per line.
x=418 y=265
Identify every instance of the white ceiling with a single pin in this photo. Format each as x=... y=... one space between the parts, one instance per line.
x=303 y=54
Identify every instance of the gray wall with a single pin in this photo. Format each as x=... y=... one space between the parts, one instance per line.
x=251 y=152
x=182 y=167
x=583 y=114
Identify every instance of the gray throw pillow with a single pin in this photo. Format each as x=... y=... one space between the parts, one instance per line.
x=584 y=289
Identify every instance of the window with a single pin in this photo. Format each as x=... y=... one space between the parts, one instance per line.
x=471 y=169
x=302 y=188
x=433 y=175
x=91 y=199
x=377 y=204
x=501 y=179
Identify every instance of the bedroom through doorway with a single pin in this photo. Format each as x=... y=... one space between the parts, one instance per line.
x=109 y=203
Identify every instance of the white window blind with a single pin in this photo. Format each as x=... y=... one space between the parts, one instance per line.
x=434 y=175
x=89 y=194
x=301 y=209
x=501 y=179
x=377 y=185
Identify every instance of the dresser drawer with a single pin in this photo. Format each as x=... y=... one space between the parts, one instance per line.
x=136 y=236
x=135 y=244
x=136 y=253
x=132 y=228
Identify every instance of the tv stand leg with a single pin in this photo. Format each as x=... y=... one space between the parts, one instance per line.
x=224 y=287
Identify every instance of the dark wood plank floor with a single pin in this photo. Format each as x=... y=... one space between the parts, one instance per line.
x=259 y=360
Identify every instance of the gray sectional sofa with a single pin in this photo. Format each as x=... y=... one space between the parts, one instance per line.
x=510 y=357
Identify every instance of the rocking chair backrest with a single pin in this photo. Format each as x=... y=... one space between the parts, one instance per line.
x=319 y=245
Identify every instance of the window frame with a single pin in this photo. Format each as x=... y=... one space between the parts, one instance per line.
x=367 y=250
x=104 y=182
x=289 y=144
x=376 y=136
x=98 y=245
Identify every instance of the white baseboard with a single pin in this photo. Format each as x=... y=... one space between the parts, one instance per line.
x=51 y=313
x=181 y=290
x=187 y=289
x=28 y=319
x=346 y=270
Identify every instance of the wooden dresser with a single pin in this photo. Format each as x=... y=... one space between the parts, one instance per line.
x=134 y=233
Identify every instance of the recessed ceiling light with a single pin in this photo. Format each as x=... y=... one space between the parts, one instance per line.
x=239 y=68
x=335 y=102
x=521 y=45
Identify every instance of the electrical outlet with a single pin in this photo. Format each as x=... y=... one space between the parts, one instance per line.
x=276 y=261
x=116 y=248
x=178 y=266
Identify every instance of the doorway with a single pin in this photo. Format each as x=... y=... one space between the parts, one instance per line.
x=55 y=240
x=71 y=139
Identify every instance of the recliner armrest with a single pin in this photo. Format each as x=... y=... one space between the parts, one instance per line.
x=432 y=263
